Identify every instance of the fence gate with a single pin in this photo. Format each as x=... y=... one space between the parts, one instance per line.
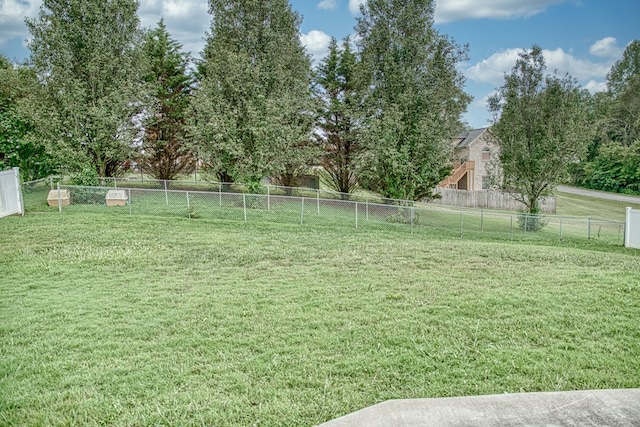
x=632 y=229
x=10 y=193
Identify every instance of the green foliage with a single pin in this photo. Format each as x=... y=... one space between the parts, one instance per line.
x=88 y=177
x=165 y=154
x=192 y=207
x=86 y=57
x=18 y=147
x=616 y=168
x=414 y=98
x=611 y=163
x=338 y=92
x=253 y=110
x=623 y=119
x=254 y=187
x=542 y=127
x=625 y=69
x=531 y=222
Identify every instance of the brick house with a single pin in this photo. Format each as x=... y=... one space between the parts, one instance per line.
x=473 y=152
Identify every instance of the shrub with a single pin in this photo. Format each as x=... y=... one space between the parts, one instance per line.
x=530 y=222
x=403 y=216
x=87 y=178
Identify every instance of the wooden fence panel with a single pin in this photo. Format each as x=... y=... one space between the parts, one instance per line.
x=485 y=199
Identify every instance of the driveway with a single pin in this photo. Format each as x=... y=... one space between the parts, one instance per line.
x=598 y=194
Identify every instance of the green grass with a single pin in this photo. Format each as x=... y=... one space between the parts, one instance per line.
x=429 y=220
x=110 y=319
x=576 y=205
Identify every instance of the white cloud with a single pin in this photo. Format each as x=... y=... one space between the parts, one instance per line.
x=457 y=10
x=12 y=15
x=492 y=69
x=316 y=42
x=328 y=4
x=606 y=48
x=187 y=20
x=594 y=86
x=581 y=69
x=354 y=6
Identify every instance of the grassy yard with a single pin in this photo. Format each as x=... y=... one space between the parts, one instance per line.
x=138 y=320
x=575 y=205
x=601 y=219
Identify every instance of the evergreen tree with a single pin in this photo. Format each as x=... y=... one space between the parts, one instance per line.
x=164 y=152
x=85 y=54
x=253 y=110
x=414 y=98
x=338 y=93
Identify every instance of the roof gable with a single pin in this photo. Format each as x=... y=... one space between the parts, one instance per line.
x=465 y=139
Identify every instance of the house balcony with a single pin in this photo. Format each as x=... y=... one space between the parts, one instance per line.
x=462 y=177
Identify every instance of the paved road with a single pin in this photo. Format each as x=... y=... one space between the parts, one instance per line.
x=599 y=194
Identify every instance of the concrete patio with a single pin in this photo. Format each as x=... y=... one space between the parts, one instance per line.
x=613 y=408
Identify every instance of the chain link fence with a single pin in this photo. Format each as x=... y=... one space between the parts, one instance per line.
x=218 y=201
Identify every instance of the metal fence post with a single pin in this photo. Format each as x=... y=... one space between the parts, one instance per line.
x=166 y=194
x=511 y=228
x=302 y=211
x=481 y=220
x=366 y=202
x=244 y=206
x=188 y=204
x=129 y=199
x=412 y=217
x=59 y=199
x=460 y=223
x=268 y=198
x=220 y=194
x=589 y=229
x=356 y=215
x=318 y=200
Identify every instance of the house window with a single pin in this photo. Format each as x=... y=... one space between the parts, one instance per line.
x=486 y=154
x=486 y=182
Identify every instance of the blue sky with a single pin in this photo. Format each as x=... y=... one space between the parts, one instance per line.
x=581 y=37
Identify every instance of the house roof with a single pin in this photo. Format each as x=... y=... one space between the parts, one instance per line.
x=465 y=139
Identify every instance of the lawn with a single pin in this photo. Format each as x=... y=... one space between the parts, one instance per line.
x=576 y=205
x=598 y=222
x=138 y=320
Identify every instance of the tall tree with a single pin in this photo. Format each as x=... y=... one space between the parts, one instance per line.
x=165 y=153
x=625 y=69
x=86 y=56
x=623 y=84
x=414 y=98
x=253 y=110
x=542 y=127
x=18 y=148
x=339 y=98
x=611 y=163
